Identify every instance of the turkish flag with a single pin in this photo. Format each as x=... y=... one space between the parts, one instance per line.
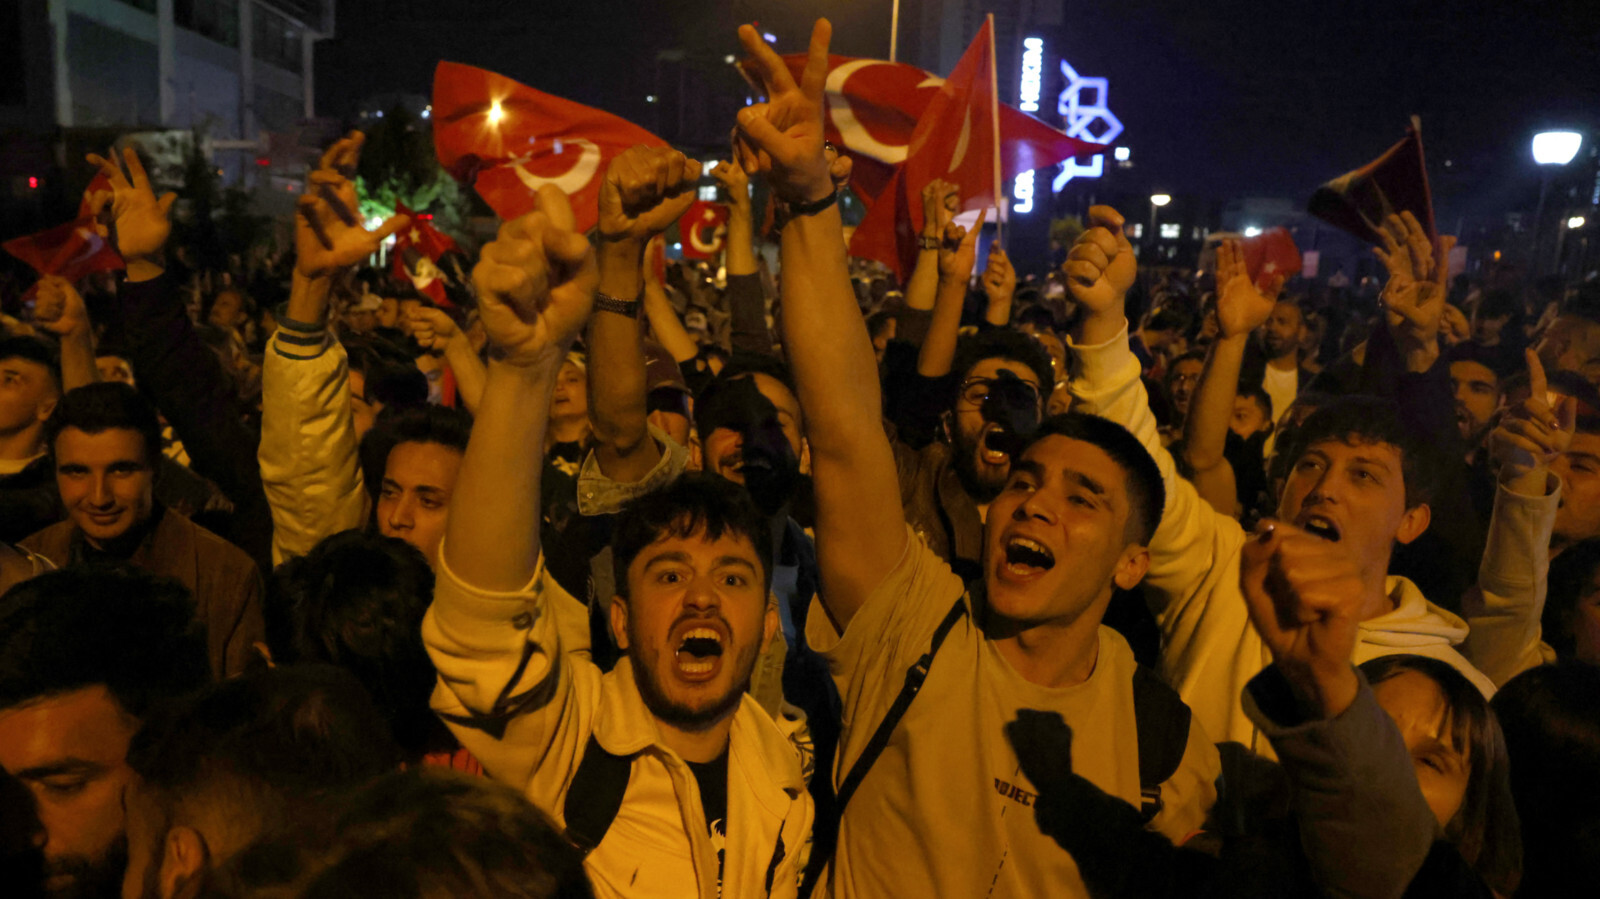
x=424 y=235
x=72 y=251
x=1272 y=252
x=874 y=105
x=704 y=230
x=508 y=139
x=1357 y=202
x=955 y=139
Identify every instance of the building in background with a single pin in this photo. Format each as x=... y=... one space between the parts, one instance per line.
x=84 y=72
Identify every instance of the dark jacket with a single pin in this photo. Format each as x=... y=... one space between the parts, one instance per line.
x=226 y=584
x=186 y=381
x=29 y=500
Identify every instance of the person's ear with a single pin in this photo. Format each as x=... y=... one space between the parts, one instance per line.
x=1413 y=523
x=1131 y=567
x=184 y=861
x=619 y=622
x=947 y=427
x=805 y=457
x=47 y=408
x=696 y=462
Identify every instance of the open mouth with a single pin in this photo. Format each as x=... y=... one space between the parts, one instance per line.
x=1320 y=526
x=1024 y=556
x=699 y=652
x=992 y=448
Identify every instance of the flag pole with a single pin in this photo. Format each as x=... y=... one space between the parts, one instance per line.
x=994 y=124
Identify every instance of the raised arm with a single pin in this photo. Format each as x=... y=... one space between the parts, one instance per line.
x=1506 y=607
x=645 y=190
x=308 y=451
x=940 y=203
x=665 y=326
x=1241 y=308
x=176 y=372
x=536 y=284
x=999 y=285
x=747 y=302
x=59 y=309
x=438 y=332
x=741 y=259
x=861 y=531
x=957 y=255
x=1352 y=782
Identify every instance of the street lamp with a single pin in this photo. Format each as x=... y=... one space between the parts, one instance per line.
x=1156 y=202
x=1576 y=222
x=1550 y=148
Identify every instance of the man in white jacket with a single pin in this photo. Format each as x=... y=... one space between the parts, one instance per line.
x=672 y=777
x=1357 y=481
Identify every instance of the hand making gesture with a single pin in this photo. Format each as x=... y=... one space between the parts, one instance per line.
x=1242 y=305
x=1532 y=434
x=1414 y=295
x=329 y=234
x=783 y=137
x=141 y=222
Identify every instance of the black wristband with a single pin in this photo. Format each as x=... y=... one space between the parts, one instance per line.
x=605 y=303
x=814 y=206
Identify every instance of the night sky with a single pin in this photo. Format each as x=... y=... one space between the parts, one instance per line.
x=1220 y=98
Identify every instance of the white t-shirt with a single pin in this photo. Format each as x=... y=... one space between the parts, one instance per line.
x=946 y=810
x=1283 y=387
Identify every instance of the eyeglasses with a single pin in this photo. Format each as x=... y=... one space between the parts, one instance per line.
x=977 y=390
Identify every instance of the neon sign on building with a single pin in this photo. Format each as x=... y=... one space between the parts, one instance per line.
x=1085 y=115
x=1028 y=100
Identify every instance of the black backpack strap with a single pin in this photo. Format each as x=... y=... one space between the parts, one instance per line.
x=595 y=796
x=1163 y=722
x=915 y=676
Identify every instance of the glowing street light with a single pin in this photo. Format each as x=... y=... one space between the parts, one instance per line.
x=1556 y=147
x=496 y=113
x=1252 y=231
x=1551 y=149
x=1160 y=199
x=1576 y=222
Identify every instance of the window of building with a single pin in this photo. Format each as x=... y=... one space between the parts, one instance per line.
x=214 y=19
x=1171 y=230
x=277 y=40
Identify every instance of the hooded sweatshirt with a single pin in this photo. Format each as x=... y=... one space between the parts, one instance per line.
x=1209 y=649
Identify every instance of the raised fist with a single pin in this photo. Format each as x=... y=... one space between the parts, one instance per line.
x=58 y=307
x=536 y=283
x=645 y=190
x=1100 y=268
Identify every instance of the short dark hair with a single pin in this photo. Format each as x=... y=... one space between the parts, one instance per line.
x=395 y=425
x=1485 y=829
x=391 y=376
x=1147 y=493
x=1262 y=398
x=1488 y=357
x=739 y=366
x=424 y=832
x=1367 y=419
x=1167 y=318
x=357 y=601
x=132 y=632
x=1552 y=728
x=1037 y=316
x=106 y=406
x=33 y=350
x=1571 y=578
x=264 y=746
x=1001 y=343
x=696 y=503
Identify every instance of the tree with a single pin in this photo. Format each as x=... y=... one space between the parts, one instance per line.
x=398 y=165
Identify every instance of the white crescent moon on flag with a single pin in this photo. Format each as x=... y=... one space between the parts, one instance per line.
x=856 y=137
x=575 y=178
x=92 y=243
x=962 y=141
x=701 y=246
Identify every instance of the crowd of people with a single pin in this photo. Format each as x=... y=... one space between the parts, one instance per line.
x=594 y=581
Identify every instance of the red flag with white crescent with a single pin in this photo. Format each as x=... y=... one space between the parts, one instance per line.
x=704 y=230
x=508 y=139
x=873 y=108
x=72 y=251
